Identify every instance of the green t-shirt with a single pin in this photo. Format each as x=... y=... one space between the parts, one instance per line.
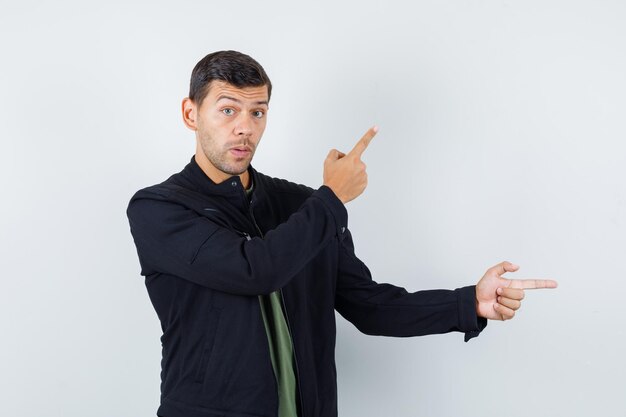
x=281 y=352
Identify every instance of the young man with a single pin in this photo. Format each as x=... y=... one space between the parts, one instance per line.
x=245 y=271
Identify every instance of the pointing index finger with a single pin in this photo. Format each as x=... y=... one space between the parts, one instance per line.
x=531 y=284
x=363 y=143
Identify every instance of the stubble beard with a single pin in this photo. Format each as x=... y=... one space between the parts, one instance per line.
x=219 y=158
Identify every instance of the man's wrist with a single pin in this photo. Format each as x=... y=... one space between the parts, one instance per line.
x=336 y=208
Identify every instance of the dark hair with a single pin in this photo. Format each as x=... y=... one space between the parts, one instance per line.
x=232 y=67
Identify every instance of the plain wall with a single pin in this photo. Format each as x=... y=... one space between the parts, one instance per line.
x=501 y=138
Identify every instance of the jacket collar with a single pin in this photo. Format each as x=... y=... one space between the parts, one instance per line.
x=229 y=187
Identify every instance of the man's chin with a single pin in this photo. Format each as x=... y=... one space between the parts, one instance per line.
x=238 y=169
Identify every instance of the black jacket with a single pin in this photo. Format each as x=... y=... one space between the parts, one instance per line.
x=204 y=275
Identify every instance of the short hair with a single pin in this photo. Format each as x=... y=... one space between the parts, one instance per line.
x=232 y=67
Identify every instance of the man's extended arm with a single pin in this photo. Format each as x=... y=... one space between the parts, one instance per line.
x=385 y=309
x=388 y=310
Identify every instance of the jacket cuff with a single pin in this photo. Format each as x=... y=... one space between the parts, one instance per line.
x=469 y=322
x=336 y=208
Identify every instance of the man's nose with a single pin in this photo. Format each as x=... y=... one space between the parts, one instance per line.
x=243 y=126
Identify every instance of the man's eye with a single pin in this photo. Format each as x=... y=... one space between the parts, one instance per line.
x=258 y=114
x=228 y=112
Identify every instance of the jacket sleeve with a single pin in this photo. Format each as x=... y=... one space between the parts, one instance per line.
x=388 y=310
x=173 y=239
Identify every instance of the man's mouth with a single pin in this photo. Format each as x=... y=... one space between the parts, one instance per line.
x=241 y=151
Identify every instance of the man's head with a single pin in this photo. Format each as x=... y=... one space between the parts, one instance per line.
x=227 y=105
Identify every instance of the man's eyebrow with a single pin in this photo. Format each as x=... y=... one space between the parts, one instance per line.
x=223 y=97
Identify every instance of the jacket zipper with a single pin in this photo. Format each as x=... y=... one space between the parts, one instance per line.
x=293 y=346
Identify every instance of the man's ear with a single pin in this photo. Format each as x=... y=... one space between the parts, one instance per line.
x=190 y=113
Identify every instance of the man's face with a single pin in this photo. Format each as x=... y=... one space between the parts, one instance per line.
x=229 y=126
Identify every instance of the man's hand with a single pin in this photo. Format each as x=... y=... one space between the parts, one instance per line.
x=345 y=173
x=498 y=298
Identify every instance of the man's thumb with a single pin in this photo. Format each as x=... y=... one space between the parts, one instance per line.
x=333 y=155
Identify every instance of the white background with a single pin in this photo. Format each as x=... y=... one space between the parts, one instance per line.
x=501 y=138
